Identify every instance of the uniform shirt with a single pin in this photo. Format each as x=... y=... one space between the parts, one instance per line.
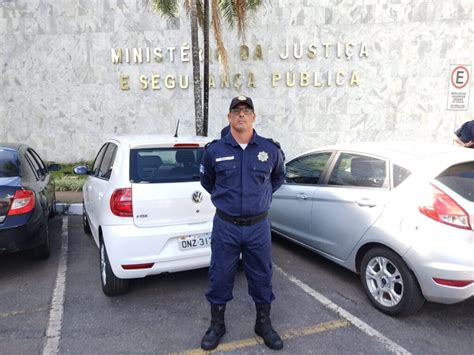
x=466 y=132
x=241 y=182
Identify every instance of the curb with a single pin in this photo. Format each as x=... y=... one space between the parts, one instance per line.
x=69 y=208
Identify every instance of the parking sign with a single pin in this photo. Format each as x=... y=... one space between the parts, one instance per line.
x=459 y=84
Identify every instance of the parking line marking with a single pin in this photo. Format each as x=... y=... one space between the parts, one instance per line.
x=326 y=302
x=292 y=333
x=19 y=313
x=53 y=332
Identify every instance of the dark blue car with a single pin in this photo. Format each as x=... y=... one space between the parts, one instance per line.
x=26 y=200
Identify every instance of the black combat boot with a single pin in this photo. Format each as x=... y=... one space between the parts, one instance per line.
x=263 y=327
x=214 y=333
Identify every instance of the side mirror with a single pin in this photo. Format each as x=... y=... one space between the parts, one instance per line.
x=54 y=167
x=80 y=170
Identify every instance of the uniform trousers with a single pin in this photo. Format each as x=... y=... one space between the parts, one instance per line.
x=227 y=242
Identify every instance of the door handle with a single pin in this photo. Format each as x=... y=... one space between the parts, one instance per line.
x=301 y=196
x=366 y=202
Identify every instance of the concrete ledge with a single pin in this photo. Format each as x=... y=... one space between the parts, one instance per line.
x=69 y=208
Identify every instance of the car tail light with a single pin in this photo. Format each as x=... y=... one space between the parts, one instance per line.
x=453 y=283
x=186 y=145
x=23 y=202
x=137 y=266
x=121 y=202
x=444 y=209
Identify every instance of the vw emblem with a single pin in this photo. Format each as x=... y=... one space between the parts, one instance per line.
x=197 y=196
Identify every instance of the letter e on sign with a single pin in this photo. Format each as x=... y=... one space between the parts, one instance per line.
x=460 y=77
x=459 y=84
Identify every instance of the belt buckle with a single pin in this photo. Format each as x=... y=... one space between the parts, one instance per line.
x=242 y=221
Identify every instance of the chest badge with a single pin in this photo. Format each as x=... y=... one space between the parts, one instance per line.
x=262 y=156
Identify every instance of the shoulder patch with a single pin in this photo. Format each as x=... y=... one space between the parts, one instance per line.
x=274 y=142
x=208 y=144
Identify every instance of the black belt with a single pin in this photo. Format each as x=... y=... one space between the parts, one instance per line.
x=241 y=221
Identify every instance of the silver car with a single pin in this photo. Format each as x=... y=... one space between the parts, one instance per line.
x=401 y=215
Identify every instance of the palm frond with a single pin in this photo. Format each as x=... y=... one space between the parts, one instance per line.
x=187 y=6
x=237 y=12
x=227 y=10
x=166 y=8
x=253 y=5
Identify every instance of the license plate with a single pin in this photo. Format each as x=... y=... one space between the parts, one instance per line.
x=194 y=241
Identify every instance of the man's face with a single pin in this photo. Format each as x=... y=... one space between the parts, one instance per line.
x=241 y=118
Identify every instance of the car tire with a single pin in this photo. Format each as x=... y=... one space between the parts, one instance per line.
x=389 y=283
x=85 y=221
x=111 y=284
x=42 y=251
x=52 y=208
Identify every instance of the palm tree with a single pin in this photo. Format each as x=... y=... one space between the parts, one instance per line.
x=232 y=11
x=169 y=9
x=196 y=67
x=205 y=29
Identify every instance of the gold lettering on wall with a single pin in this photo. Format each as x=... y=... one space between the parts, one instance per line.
x=124 y=82
x=304 y=81
x=116 y=56
x=258 y=53
x=275 y=78
x=143 y=82
x=339 y=78
x=225 y=81
x=251 y=82
x=155 y=82
x=238 y=81
x=170 y=82
x=244 y=52
x=354 y=79
x=291 y=52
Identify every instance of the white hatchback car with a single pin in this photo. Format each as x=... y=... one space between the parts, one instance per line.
x=146 y=209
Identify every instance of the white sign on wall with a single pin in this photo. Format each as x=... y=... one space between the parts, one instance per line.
x=459 y=83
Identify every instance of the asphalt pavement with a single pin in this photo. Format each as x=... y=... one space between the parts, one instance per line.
x=320 y=309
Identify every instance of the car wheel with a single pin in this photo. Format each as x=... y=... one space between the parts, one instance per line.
x=111 y=284
x=52 y=208
x=388 y=282
x=85 y=221
x=42 y=250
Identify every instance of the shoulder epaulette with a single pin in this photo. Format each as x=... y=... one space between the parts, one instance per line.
x=275 y=142
x=208 y=144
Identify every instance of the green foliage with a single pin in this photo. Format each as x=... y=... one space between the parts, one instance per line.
x=169 y=9
x=69 y=183
x=65 y=180
x=230 y=10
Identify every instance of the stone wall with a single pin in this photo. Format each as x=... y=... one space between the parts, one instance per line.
x=60 y=90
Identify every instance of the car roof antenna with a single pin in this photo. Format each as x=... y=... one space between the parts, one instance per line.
x=176 y=133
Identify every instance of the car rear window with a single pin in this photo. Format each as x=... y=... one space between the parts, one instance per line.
x=460 y=178
x=159 y=165
x=9 y=165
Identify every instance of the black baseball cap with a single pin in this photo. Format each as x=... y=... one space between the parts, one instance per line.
x=241 y=100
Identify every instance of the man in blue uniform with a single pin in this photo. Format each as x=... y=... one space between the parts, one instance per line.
x=241 y=171
x=464 y=136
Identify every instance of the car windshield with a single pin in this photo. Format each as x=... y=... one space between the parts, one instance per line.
x=160 y=165
x=460 y=178
x=9 y=165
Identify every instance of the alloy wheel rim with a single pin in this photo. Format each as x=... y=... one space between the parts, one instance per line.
x=384 y=281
